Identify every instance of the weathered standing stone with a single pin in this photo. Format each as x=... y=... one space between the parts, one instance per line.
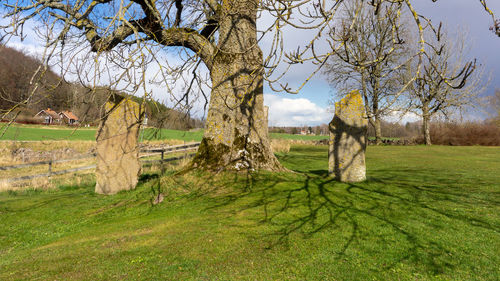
x=118 y=167
x=348 y=129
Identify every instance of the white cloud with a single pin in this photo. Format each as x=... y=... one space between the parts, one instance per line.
x=402 y=117
x=294 y=112
x=29 y=49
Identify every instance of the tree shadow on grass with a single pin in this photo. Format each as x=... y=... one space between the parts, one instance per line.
x=37 y=203
x=406 y=216
x=143 y=178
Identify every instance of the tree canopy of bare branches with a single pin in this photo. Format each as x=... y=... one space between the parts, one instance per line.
x=126 y=36
x=448 y=81
x=373 y=51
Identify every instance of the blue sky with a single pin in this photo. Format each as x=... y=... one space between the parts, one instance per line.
x=455 y=15
x=469 y=14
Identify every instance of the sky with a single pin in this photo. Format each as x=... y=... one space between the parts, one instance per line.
x=455 y=15
x=311 y=106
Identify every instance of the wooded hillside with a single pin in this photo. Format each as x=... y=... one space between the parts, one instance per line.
x=17 y=84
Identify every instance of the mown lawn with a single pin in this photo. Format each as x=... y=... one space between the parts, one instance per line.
x=45 y=133
x=425 y=213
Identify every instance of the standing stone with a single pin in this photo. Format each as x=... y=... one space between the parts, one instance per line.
x=118 y=167
x=347 y=145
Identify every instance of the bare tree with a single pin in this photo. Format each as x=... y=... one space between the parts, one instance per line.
x=373 y=52
x=222 y=35
x=447 y=83
x=126 y=36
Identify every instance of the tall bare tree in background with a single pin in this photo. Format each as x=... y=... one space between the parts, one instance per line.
x=448 y=83
x=372 y=53
x=219 y=37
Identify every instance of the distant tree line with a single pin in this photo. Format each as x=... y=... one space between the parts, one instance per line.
x=485 y=132
x=307 y=130
x=17 y=96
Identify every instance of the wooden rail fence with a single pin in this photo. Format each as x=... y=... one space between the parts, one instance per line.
x=150 y=152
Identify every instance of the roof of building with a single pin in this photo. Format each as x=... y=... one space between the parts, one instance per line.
x=69 y=115
x=49 y=112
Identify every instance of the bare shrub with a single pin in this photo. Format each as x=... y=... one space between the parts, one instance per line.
x=469 y=133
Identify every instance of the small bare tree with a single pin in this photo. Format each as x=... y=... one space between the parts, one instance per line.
x=448 y=81
x=372 y=54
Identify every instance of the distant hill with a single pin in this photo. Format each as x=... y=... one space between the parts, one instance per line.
x=16 y=89
x=16 y=83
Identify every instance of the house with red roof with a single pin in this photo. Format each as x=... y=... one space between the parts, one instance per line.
x=48 y=116
x=68 y=117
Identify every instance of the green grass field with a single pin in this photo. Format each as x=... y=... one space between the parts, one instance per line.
x=425 y=213
x=297 y=137
x=38 y=133
x=46 y=133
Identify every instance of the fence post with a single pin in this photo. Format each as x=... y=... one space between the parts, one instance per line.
x=161 y=163
x=50 y=168
x=185 y=150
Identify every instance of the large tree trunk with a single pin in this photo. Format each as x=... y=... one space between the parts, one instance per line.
x=375 y=123
x=236 y=136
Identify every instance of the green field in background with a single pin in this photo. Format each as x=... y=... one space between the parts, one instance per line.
x=46 y=133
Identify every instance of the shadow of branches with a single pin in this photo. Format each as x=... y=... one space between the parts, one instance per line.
x=409 y=221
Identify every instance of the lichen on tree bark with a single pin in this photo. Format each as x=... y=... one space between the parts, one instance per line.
x=236 y=135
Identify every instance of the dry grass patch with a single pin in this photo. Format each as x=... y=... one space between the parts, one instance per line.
x=280 y=145
x=163 y=142
x=54 y=182
x=17 y=152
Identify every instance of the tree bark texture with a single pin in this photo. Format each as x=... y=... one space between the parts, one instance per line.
x=426 y=118
x=236 y=136
x=426 y=129
x=378 y=131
